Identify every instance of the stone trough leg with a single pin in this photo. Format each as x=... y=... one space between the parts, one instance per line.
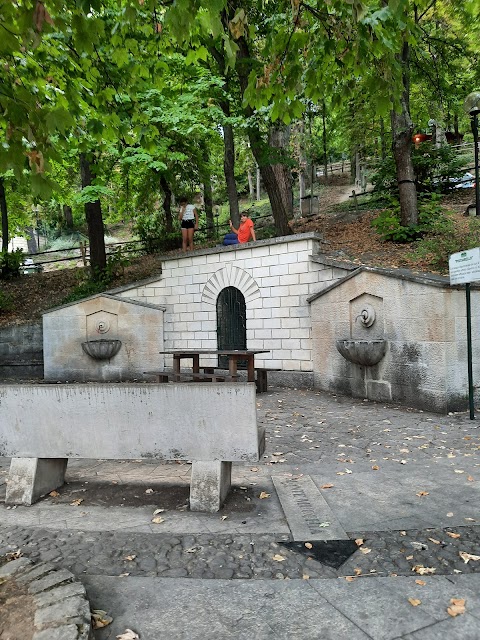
x=31 y=478
x=209 y=485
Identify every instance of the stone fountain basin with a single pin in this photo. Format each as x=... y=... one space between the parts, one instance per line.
x=365 y=352
x=102 y=349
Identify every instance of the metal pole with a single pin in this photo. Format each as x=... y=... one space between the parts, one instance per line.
x=469 y=353
x=477 y=180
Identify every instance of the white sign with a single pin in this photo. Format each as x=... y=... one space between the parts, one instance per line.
x=464 y=266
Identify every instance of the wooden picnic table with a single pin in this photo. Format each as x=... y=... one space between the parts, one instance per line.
x=233 y=355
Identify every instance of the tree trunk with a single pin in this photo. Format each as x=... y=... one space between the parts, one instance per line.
x=402 y=130
x=229 y=169
x=4 y=210
x=383 y=139
x=93 y=215
x=208 y=202
x=167 y=203
x=259 y=191
x=325 y=157
x=68 y=216
x=251 y=188
x=279 y=141
x=282 y=205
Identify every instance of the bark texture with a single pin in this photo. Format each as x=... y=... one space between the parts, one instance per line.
x=93 y=215
x=4 y=211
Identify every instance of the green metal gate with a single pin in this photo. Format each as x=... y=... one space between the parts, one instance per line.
x=231 y=324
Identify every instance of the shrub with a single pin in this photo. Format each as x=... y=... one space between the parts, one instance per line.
x=6 y=301
x=433 y=167
x=430 y=214
x=155 y=239
x=10 y=264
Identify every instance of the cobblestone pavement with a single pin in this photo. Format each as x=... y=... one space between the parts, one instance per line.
x=402 y=483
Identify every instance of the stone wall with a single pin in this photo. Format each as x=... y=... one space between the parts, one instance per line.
x=138 y=326
x=275 y=276
x=21 y=352
x=422 y=320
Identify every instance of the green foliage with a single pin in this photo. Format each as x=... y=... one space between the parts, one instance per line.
x=433 y=167
x=10 y=264
x=388 y=225
x=99 y=281
x=151 y=232
x=6 y=301
x=445 y=238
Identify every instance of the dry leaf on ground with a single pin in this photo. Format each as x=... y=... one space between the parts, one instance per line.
x=359 y=542
x=329 y=485
x=158 y=520
x=422 y=583
x=452 y=535
x=77 y=502
x=420 y=494
x=375 y=467
x=414 y=602
x=309 y=545
x=130 y=558
x=54 y=494
x=457 y=606
x=149 y=491
x=349 y=578
x=128 y=635
x=100 y=619
x=435 y=541
x=364 y=550
x=278 y=558
x=423 y=571
x=466 y=557
x=264 y=495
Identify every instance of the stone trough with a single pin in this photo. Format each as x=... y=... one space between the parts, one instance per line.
x=43 y=425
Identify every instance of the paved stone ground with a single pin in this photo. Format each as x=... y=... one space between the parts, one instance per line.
x=403 y=483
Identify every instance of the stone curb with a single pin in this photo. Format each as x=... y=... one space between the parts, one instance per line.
x=62 y=608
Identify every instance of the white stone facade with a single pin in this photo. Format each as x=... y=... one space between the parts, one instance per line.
x=275 y=276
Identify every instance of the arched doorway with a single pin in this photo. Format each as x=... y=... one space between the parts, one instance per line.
x=231 y=323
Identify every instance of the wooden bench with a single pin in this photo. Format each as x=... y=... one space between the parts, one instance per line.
x=262 y=378
x=43 y=425
x=168 y=375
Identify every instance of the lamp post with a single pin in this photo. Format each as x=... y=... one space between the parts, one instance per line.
x=472 y=108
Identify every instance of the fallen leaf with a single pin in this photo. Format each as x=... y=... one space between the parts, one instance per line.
x=403 y=533
x=459 y=471
x=309 y=545
x=130 y=558
x=254 y=469
x=349 y=578
x=223 y=518
x=471 y=479
x=452 y=535
x=329 y=485
x=306 y=576
x=422 y=493
x=100 y=619
x=375 y=467
x=435 y=541
x=359 y=542
x=457 y=606
x=128 y=634
x=148 y=491
x=158 y=520
x=340 y=473
x=157 y=511
x=264 y=495
x=324 y=524
x=409 y=558
x=54 y=494
x=278 y=558
x=77 y=502
x=364 y=550
x=423 y=571
x=124 y=575
x=422 y=583
x=414 y=602
x=357 y=571
x=466 y=557
x=467 y=519
x=450 y=514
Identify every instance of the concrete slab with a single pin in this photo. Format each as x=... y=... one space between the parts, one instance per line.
x=308 y=514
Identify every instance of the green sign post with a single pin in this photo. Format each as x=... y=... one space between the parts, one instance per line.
x=464 y=268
